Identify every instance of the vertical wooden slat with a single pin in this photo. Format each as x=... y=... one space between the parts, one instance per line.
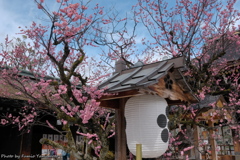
x=120 y=136
x=212 y=141
x=236 y=145
x=196 y=142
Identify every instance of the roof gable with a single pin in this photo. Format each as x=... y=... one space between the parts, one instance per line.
x=152 y=77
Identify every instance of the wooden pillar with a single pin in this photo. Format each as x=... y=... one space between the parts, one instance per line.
x=26 y=142
x=196 y=142
x=36 y=146
x=120 y=136
x=212 y=141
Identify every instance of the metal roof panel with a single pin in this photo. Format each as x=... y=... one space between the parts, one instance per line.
x=140 y=76
x=146 y=73
x=133 y=80
x=157 y=76
x=146 y=70
x=108 y=80
x=120 y=88
x=123 y=77
x=166 y=67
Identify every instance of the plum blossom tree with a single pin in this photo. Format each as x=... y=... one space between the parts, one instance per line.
x=59 y=50
x=206 y=33
x=191 y=29
x=119 y=38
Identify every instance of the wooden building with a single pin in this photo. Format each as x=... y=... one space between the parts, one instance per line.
x=16 y=144
x=163 y=78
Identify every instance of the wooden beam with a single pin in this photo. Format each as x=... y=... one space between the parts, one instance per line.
x=120 y=135
x=111 y=101
x=120 y=95
x=174 y=102
x=112 y=104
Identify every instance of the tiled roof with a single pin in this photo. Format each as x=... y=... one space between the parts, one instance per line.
x=141 y=76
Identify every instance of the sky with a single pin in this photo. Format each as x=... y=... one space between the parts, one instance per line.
x=21 y=13
x=15 y=13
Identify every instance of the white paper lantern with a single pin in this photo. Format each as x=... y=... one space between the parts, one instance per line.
x=146 y=124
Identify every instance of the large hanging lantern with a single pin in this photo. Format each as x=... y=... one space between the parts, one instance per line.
x=146 y=124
